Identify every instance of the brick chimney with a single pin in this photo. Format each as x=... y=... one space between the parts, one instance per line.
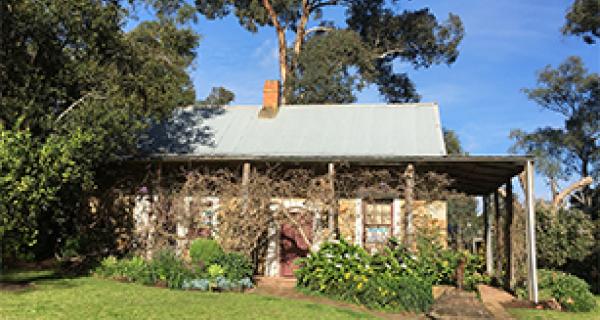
x=270 y=105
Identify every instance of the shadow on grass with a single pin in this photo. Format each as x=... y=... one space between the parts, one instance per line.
x=24 y=280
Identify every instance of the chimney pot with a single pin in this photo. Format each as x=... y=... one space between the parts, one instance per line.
x=270 y=106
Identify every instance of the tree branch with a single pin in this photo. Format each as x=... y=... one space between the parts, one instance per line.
x=318 y=29
x=390 y=52
x=74 y=104
x=283 y=66
x=300 y=31
x=583 y=182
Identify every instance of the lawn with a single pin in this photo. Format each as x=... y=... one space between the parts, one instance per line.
x=531 y=314
x=91 y=298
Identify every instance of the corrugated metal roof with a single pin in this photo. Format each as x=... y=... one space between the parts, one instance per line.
x=300 y=130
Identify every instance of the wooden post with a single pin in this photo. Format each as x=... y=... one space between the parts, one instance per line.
x=409 y=175
x=333 y=218
x=531 y=255
x=509 y=276
x=489 y=254
x=245 y=180
x=245 y=173
x=497 y=233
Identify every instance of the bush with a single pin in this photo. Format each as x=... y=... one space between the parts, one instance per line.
x=562 y=236
x=204 y=250
x=571 y=292
x=235 y=265
x=168 y=268
x=349 y=273
x=397 y=293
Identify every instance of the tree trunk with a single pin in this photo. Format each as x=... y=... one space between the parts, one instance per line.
x=300 y=34
x=283 y=66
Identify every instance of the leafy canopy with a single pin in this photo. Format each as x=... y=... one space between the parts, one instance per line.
x=327 y=63
x=75 y=92
x=572 y=150
x=583 y=19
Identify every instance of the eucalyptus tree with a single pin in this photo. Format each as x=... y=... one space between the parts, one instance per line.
x=571 y=151
x=325 y=62
x=583 y=19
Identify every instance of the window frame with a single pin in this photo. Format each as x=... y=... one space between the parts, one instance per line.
x=365 y=225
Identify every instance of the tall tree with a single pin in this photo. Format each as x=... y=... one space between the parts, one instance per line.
x=573 y=150
x=76 y=89
x=374 y=31
x=583 y=19
x=453 y=144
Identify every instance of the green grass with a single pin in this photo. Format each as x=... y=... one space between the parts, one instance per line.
x=531 y=314
x=92 y=298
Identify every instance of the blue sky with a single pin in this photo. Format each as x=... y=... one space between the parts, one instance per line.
x=479 y=95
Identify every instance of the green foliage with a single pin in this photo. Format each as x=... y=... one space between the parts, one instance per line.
x=570 y=151
x=572 y=293
x=218 y=96
x=227 y=272
x=329 y=66
x=381 y=281
x=34 y=175
x=215 y=271
x=325 y=69
x=205 y=250
x=395 y=279
x=134 y=269
x=452 y=142
x=439 y=264
x=583 y=20
x=76 y=92
x=388 y=292
x=236 y=266
x=168 y=268
x=562 y=236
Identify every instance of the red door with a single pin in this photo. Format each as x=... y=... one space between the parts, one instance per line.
x=293 y=247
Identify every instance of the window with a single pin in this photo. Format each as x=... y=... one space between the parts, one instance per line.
x=378 y=216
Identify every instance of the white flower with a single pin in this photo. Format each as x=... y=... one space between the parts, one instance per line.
x=403 y=266
x=338 y=265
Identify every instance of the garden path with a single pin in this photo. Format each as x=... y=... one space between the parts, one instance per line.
x=459 y=304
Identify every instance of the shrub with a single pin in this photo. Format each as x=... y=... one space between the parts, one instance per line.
x=215 y=271
x=562 y=236
x=235 y=265
x=349 y=273
x=397 y=293
x=167 y=267
x=571 y=292
x=108 y=267
x=204 y=250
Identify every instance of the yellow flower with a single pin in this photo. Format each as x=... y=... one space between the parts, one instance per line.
x=359 y=286
x=347 y=275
